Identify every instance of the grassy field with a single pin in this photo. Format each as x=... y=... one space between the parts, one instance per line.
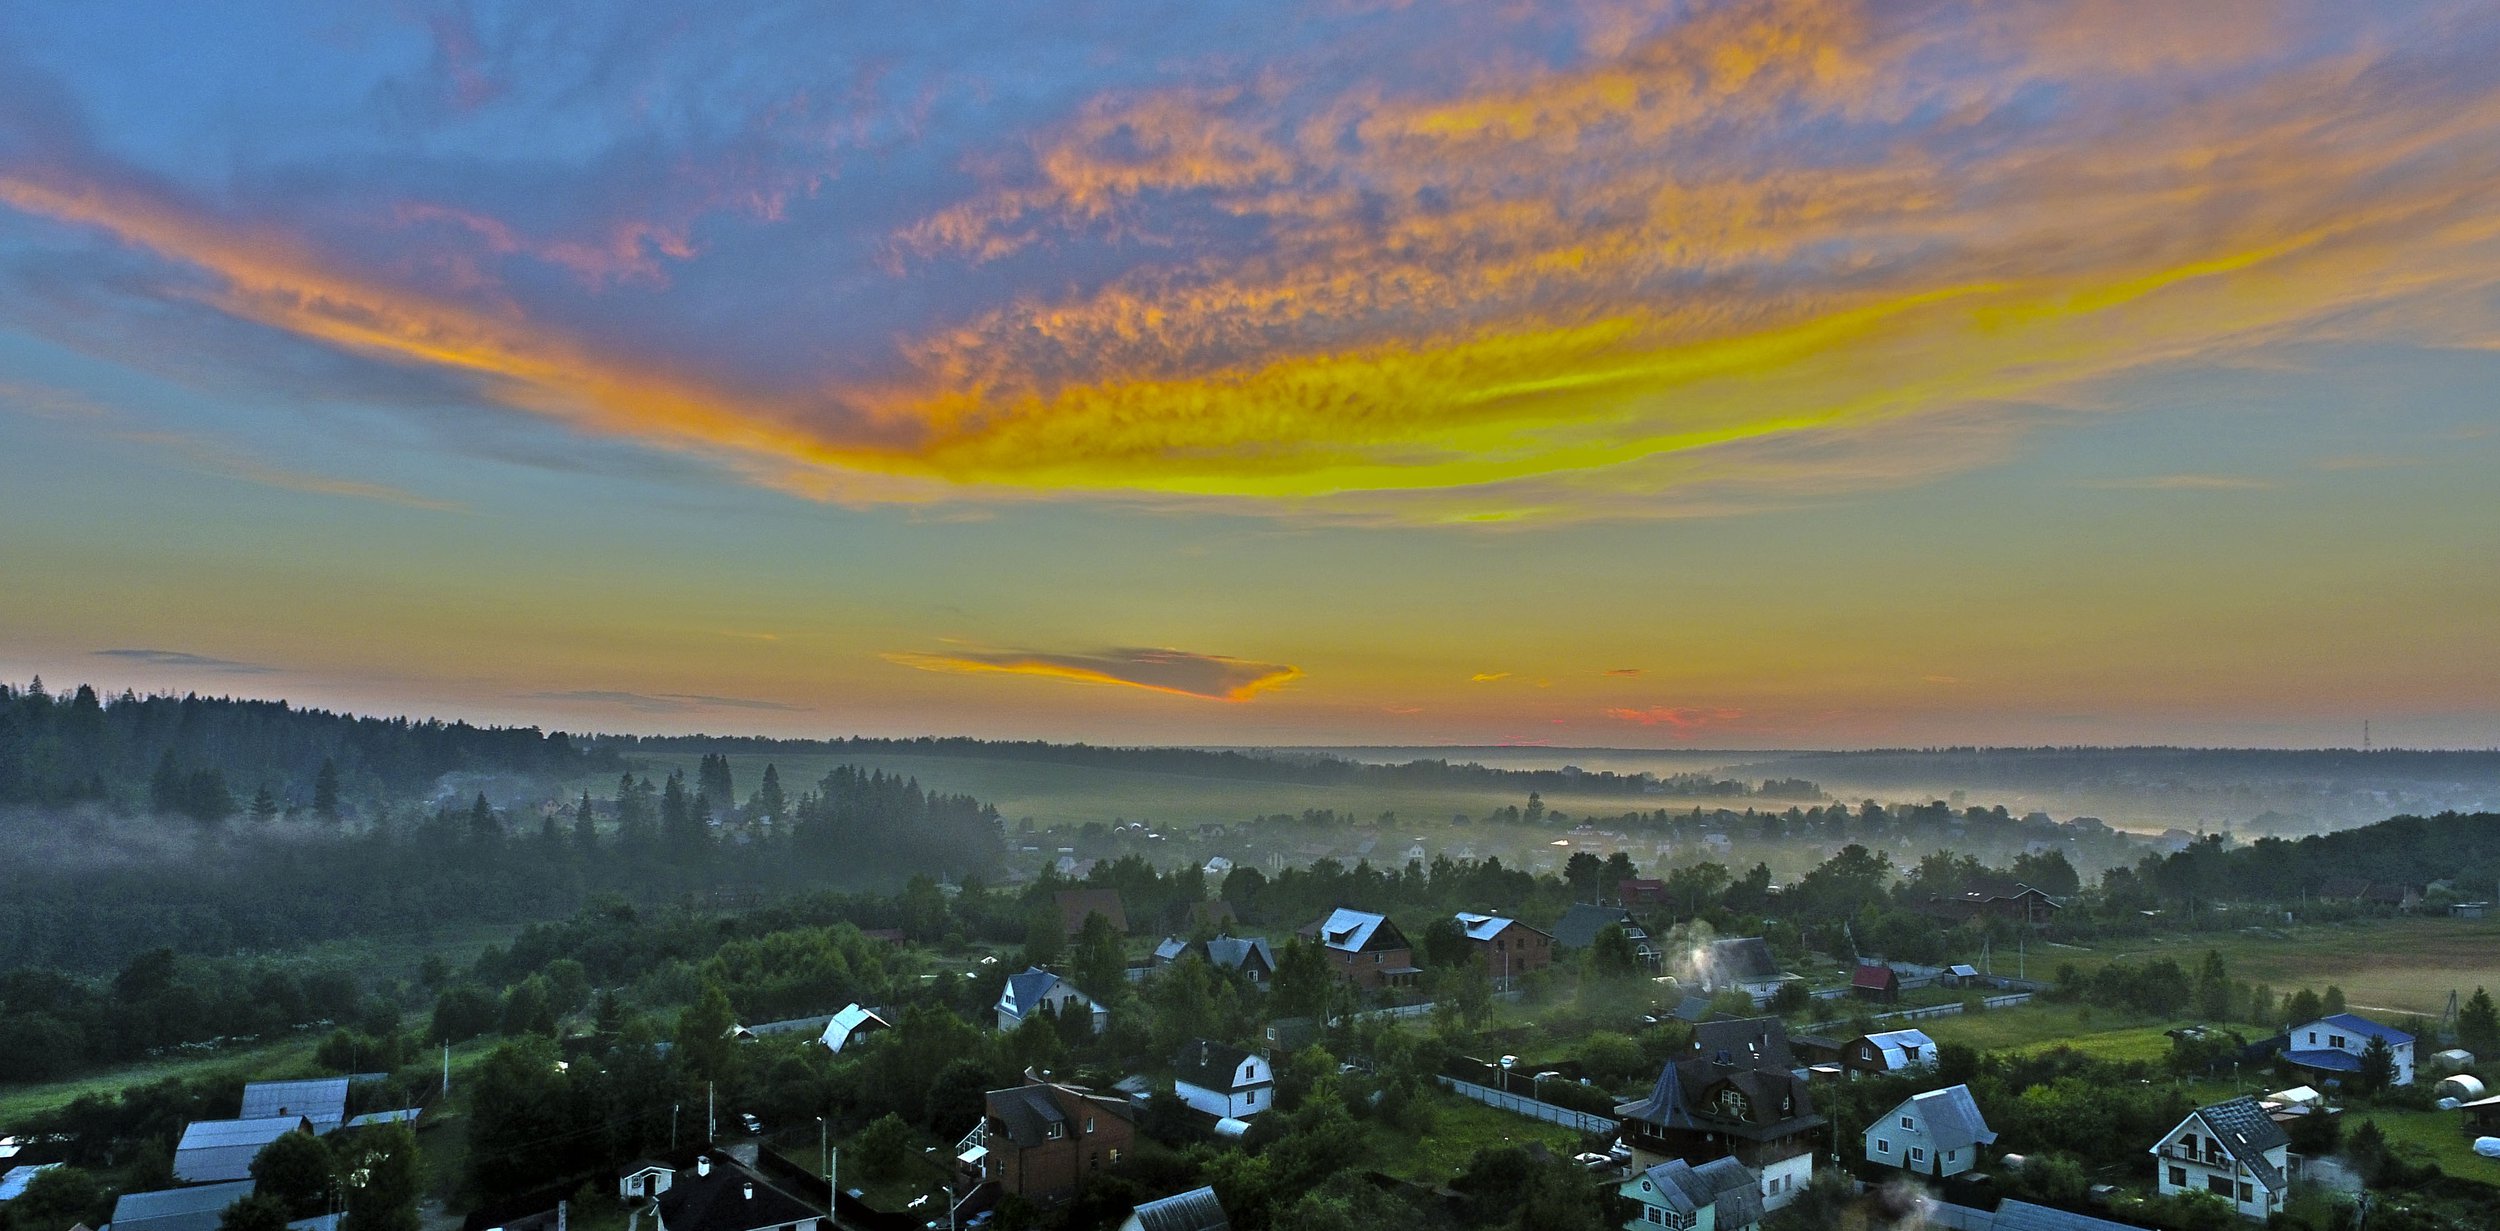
x=1459 y=1129
x=2039 y=1027
x=2383 y=965
x=1074 y=794
x=282 y=1059
x=2435 y=1135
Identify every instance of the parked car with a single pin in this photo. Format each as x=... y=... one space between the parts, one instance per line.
x=755 y=1127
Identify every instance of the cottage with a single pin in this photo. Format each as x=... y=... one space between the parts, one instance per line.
x=1742 y=964
x=1734 y=1094
x=721 y=1194
x=1889 y=1051
x=851 y=1025
x=1720 y=1195
x=2233 y=1150
x=1935 y=1134
x=1041 y=1140
x=1037 y=990
x=2332 y=1046
x=1076 y=905
x=1248 y=956
x=1993 y=897
x=1223 y=1081
x=1641 y=892
x=1875 y=981
x=1579 y=926
x=1365 y=949
x=1195 y=1210
x=212 y=1151
x=1508 y=947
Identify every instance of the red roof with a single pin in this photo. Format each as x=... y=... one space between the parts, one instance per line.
x=1880 y=978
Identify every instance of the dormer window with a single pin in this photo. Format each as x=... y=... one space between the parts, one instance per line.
x=1055 y=1131
x=1089 y=1124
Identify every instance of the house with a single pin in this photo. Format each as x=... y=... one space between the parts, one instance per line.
x=1641 y=892
x=1217 y=868
x=212 y=1151
x=1579 y=926
x=1041 y=1140
x=1076 y=905
x=851 y=1025
x=1365 y=949
x=1935 y=1134
x=1509 y=948
x=2468 y=910
x=1292 y=1034
x=1195 y=1210
x=13 y=1182
x=1734 y=1094
x=2333 y=1046
x=1250 y=956
x=322 y=1100
x=1962 y=974
x=1036 y=990
x=2233 y=1150
x=2011 y=1215
x=1889 y=1051
x=1720 y=1195
x=1740 y=964
x=178 y=1209
x=1875 y=981
x=1223 y=1081
x=721 y=1194
x=1993 y=897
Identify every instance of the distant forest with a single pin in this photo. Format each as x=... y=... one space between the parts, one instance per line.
x=2024 y=768
x=1302 y=767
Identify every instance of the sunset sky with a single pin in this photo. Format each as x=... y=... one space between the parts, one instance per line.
x=1684 y=374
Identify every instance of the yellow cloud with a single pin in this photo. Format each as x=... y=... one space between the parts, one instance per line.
x=1211 y=677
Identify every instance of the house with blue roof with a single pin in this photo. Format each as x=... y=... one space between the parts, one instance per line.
x=1720 y=1195
x=1937 y=1133
x=1035 y=990
x=2332 y=1046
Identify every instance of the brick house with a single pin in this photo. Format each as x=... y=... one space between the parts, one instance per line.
x=1365 y=949
x=1043 y=1140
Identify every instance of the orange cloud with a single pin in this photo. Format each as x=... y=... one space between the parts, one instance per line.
x=1683 y=721
x=1487 y=677
x=1211 y=677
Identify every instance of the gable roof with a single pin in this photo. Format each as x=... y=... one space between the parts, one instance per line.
x=849 y=1024
x=1952 y=1117
x=1735 y=1189
x=732 y=1198
x=1075 y=904
x=2015 y=1215
x=1354 y=931
x=1903 y=1049
x=1579 y=926
x=322 y=1100
x=2246 y=1133
x=1214 y=1066
x=1875 y=977
x=178 y=1209
x=213 y=1150
x=2354 y=1024
x=1482 y=927
x=1237 y=952
x=1747 y=1042
x=1025 y=1113
x=1677 y=1188
x=1195 y=1210
x=1740 y=958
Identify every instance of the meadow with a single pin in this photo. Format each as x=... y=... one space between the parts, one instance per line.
x=2392 y=966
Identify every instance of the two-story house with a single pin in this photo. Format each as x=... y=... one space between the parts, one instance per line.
x=1937 y=1133
x=1222 y=1080
x=1250 y=956
x=1041 y=1140
x=1740 y=963
x=2233 y=1150
x=1035 y=990
x=1508 y=947
x=1888 y=1051
x=1719 y=1195
x=2332 y=1046
x=1735 y=1093
x=1580 y=924
x=1364 y=949
x=718 y=1193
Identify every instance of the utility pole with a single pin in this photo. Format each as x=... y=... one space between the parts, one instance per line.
x=711 y=1116
x=446 y=1068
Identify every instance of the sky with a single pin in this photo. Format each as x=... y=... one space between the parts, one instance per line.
x=1738 y=375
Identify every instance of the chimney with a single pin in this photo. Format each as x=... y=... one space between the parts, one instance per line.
x=750 y=1189
x=703 y=1165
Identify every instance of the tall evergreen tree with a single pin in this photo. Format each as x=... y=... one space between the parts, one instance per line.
x=326 y=791
x=264 y=804
x=484 y=829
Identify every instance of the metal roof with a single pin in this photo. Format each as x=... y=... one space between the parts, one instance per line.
x=2364 y=1027
x=2246 y=1132
x=848 y=1024
x=213 y=1150
x=178 y=1209
x=317 y=1099
x=1195 y=1210
x=1349 y=930
x=405 y=1115
x=1953 y=1119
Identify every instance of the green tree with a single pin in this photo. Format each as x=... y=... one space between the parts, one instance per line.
x=326 y=791
x=2213 y=988
x=702 y=1040
x=484 y=829
x=58 y=1198
x=297 y=1170
x=884 y=1147
x=1043 y=937
x=1446 y=943
x=585 y=826
x=1582 y=872
x=394 y=1179
x=462 y=1013
x=2478 y=1027
x=264 y=804
x=258 y=1212
x=769 y=801
x=924 y=910
x=1305 y=986
x=1100 y=964
x=2303 y=1007
x=2333 y=1002
x=528 y=1008
x=2378 y=1065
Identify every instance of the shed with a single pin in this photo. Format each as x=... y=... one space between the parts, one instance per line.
x=322 y=1100
x=2463 y=1087
x=212 y=1151
x=178 y=1209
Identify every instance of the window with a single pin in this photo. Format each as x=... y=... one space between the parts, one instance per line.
x=2219 y=1186
x=2335 y=1040
x=1883 y=1146
x=2178 y=1177
x=1654 y=1214
x=1905 y=1123
x=2247 y=1193
x=1375 y=959
x=2313 y=1038
x=1253 y=1100
x=1055 y=1132
x=1089 y=1124
x=1115 y=1157
x=1918 y=1154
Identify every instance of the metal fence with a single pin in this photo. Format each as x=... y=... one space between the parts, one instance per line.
x=1583 y=1121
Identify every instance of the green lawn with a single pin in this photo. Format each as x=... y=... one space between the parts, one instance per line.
x=287 y=1058
x=1460 y=1128
x=2383 y=965
x=2436 y=1135
x=2039 y=1027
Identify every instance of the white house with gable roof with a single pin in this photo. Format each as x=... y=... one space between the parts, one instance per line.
x=2233 y=1150
x=1937 y=1133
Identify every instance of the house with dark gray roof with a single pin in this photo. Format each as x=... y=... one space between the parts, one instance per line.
x=1579 y=926
x=721 y=1194
x=1740 y=963
x=1937 y=1134
x=1720 y=1195
x=1736 y=1094
x=321 y=1100
x=1195 y=1210
x=2233 y=1150
x=1222 y=1080
x=1041 y=1140
x=178 y=1209
x=1035 y=990
x=214 y=1151
x=1251 y=956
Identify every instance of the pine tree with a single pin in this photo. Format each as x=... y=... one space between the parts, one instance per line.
x=326 y=791
x=264 y=804
x=484 y=829
x=585 y=826
x=2478 y=1027
x=769 y=800
x=165 y=788
x=2334 y=1001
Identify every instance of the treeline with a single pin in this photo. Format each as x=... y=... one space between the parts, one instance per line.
x=89 y=891
x=1304 y=768
x=211 y=757
x=2032 y=768
x=2410 y=851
